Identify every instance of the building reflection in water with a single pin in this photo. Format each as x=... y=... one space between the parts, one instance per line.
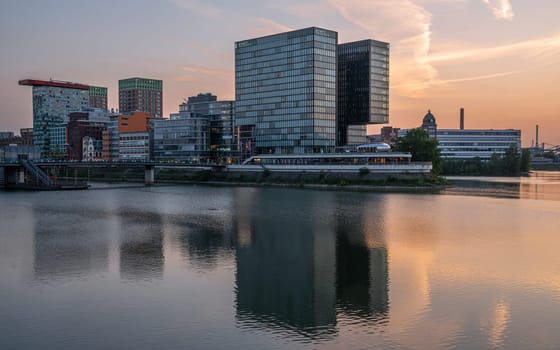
x=361 y=260
x=301 y=273
x=75 y=248
x=141 y=245
x=204 y=240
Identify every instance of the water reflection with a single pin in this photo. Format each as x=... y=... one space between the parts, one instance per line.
x=305 y=273
x=141 y=246
x=204 y=240
x=65 y=248
x=278 y=268
x=539 y=185
x=285 y=273
x=361 y=260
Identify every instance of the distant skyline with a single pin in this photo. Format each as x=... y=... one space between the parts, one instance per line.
x=499 y=59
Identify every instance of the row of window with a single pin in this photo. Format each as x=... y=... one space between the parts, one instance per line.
x=287 y=48
x=481 y=133
x=304 y=55
x=504 y=144
x=291 y=88
x=275 y=78
x=256 y=95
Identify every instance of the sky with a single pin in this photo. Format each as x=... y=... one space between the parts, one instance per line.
x=498 y=59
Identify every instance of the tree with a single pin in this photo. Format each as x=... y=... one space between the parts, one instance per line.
x=422 y=148
x=512 y=161
x=525 y=160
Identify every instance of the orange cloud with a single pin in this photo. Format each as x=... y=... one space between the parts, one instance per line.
x=529 y=48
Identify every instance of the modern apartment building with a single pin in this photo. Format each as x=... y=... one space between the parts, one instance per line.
x=183 y=139
x=222 y=128
x=202 y=130
x=285 y=87
x=141 y=94
x=81 y=128
x=52 y=102
x=98 y=97
x=117 y=129
x=363 y=89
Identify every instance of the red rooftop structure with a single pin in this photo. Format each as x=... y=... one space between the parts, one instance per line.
x=54 y=83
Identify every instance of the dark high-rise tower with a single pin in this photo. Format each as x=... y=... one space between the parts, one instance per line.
x=140 y=94
x=363 y=89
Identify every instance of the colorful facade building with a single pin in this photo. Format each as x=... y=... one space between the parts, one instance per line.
x=53 y=101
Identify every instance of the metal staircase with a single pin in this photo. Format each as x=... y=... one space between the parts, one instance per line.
x=35 y=171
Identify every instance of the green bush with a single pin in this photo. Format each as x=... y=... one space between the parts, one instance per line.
x=364 y=171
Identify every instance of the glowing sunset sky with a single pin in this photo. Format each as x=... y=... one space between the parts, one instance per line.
x=499 y=59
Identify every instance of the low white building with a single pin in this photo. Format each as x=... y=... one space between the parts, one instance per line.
x=470 y=143
x=481 y=143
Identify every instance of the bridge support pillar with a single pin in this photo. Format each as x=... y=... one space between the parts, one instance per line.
x=21 y=176
x=149 y=175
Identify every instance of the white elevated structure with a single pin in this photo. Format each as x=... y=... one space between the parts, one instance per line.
x=386 y=162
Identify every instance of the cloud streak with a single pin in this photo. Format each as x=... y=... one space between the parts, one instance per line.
x=528 y=48
x=410 y=39
x=502 y=9
x=441 y=82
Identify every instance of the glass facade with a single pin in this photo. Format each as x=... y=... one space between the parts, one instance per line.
x=51 y=106
x=185 y=139
x=285 y=86
x=363 y=87
x=111 y=140
x=222 y=128
x=356 y=134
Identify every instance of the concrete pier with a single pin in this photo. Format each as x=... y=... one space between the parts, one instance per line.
x=21 y=176
x=149 y=175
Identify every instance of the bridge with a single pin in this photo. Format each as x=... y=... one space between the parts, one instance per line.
x=31 y=174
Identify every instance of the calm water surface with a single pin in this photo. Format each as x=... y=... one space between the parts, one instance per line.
x=193 y=267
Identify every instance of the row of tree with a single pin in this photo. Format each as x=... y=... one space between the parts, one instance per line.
x=424 y=149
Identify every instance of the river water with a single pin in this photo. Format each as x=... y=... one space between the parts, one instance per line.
x=196 y=267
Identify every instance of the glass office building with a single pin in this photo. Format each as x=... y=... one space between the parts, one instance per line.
x=183 y=139
x=285 y=86
x=363 y=89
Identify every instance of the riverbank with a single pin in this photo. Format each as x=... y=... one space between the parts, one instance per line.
x=362 y=181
